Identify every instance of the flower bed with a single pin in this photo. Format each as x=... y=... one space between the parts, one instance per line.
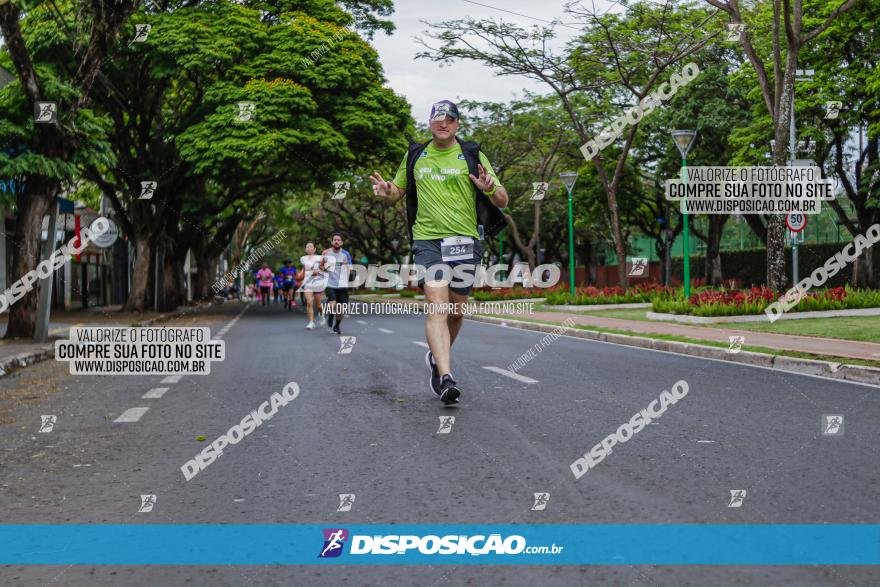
x=510 y=293
x=587 y=296
x=754 y=301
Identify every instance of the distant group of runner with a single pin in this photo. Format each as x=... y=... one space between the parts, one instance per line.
x=317 y=275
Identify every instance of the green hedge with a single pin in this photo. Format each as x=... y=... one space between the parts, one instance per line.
x=750 y=265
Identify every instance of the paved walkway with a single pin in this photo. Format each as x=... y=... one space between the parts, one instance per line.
x=868 y=351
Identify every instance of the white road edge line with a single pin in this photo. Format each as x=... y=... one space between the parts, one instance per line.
x=131 y=415
x=510 y=374
x=731 y=363
x=155 y=393
x=230 y=324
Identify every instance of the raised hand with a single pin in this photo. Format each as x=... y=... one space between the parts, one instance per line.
x=485 y=182
x=381 y=187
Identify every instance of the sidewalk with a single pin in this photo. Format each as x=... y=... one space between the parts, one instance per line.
x=19 y=353
x=827 y=347
x=851 y=349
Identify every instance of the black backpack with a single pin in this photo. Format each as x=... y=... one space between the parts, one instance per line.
x=489 y=216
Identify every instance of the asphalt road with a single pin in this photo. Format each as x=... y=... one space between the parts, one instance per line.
x=365 y=423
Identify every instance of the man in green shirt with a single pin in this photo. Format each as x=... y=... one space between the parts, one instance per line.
x=451 y=191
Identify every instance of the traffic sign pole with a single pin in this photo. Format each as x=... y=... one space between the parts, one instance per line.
x=796 y=223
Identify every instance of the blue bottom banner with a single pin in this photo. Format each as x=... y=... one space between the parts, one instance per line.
x=280 y=544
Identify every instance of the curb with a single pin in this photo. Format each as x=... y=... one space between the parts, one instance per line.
x=25 y=359
x=587 y=308
x=47 y=352
x=687 y=319
x=854 y=373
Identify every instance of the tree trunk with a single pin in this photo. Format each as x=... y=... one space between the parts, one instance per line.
x=206 y=264
x=619 y=242
x=140 y=278
x=525 y=249
x=586 y=251
x=870 y=273
x=865 y=275
x=173 y=283
x=33 y=204
x=713 y=272
x=660 y=249
x=531 y=258
x=776 y=277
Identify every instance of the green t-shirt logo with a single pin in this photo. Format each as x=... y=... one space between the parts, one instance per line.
x=445 y=192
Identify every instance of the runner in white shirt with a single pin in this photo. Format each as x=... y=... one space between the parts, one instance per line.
x=313 y=277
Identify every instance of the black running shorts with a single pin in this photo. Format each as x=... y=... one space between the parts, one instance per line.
x=337 y=294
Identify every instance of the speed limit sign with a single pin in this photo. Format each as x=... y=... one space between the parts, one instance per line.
x=796 y=221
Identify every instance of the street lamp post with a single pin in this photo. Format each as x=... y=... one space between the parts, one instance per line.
x=568 y=178
x=684 y=140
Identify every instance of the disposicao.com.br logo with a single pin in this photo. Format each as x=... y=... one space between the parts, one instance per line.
x=480 y=544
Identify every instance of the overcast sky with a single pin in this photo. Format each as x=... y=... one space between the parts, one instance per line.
x=423 y=82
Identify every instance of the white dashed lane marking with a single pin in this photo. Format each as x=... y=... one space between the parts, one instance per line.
x=385 y=330
x=511 y=374
x=172 y=379
x=155 y=393
x=360 y=322
x=420 y=343
x=131 y=415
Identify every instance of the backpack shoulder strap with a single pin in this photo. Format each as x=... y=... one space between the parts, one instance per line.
x=415 y=149
x=489 y=216
x=412 y=201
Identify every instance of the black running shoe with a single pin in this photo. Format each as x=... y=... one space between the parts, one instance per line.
x=330 y=321
x=336 y=329
x=434 y=380
x=449 y=391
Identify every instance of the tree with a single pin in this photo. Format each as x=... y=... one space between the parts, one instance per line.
x=51 y=70
x=255 y=111
x=788 y=37
x=848 y=144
